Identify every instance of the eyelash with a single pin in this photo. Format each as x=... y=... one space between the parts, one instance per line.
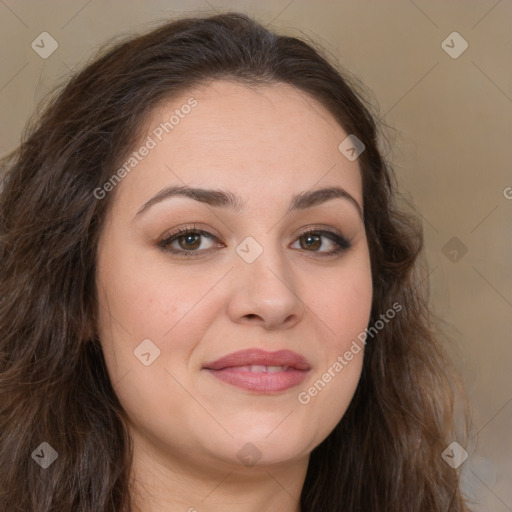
x=342 y=242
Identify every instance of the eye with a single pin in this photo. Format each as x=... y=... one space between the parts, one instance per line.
x=324 y=242
x=187 y=241
x=190 y=241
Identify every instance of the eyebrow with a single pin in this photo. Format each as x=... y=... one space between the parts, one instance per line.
x=225 y=199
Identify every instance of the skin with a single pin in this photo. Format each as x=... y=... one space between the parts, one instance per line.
x=264 y=144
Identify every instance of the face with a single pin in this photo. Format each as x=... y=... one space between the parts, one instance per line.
x=263 y=267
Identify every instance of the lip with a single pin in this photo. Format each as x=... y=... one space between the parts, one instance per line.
x=230 y=370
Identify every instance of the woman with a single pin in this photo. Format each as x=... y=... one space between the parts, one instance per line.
x=209 y=297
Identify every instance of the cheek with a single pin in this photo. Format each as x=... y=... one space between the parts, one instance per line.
x=141 y=301
x=344 y=307
x=343 y=303
x=147 y=300
x=147 y=330
x=352 y=313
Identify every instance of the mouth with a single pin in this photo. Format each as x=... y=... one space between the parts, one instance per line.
x=260 y=371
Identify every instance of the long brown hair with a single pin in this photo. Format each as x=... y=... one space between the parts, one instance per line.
x=385 y=453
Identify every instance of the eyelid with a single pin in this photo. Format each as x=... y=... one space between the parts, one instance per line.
x=173 y=235
x=342 y=242
x=320 y=228
x=194 y=226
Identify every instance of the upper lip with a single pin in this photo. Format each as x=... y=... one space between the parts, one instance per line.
x=255 y=356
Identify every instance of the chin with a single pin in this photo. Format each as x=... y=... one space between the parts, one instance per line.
x=270 y=449
x=255 y=447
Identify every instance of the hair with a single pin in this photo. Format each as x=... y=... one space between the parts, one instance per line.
x=384 y=454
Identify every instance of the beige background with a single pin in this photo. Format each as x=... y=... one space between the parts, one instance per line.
x=451 y=144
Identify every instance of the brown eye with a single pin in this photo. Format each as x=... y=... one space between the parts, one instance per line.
x=311 y=241
x=325 y=243
x=187 y=241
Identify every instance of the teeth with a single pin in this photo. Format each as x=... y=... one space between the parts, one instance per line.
x=260 y=368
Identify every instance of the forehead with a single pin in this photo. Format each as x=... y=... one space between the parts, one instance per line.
x=266 y=139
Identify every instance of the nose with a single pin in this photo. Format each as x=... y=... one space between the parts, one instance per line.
x=265 y=293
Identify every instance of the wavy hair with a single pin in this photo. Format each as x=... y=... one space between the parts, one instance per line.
x=384 y=454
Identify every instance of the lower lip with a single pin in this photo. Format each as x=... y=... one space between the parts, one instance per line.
x=262 y=382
